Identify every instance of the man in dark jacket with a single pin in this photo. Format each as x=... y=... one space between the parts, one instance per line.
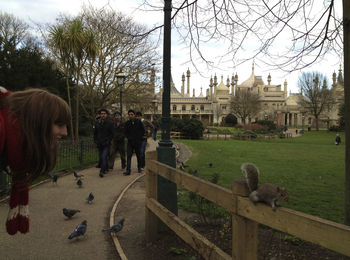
x=118 y=143
x=103 y=135
x=148 y=133
x=134 y=131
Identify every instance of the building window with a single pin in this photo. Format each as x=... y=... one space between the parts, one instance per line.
x=202 y=107
x=174 y=107
x=183 y=107
x=223 y=107
x=192 y=107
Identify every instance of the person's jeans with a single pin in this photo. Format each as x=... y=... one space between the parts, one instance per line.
x=103 y=152
x=133 y=146
x=142 y=152
x=117 y=146
x=154 y=134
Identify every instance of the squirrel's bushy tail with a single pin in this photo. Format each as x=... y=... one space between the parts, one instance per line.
x=251 y=173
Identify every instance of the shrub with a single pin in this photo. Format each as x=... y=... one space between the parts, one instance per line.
x=176 y=124
x=271 y=126
x=192 y=128
x=335 y=128
x=257 y=128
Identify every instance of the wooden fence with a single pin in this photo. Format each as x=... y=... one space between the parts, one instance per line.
x=245 y=217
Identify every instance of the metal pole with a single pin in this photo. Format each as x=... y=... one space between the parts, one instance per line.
x=121 y=102
x=167 y=190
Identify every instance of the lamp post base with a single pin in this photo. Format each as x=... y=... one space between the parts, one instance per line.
x=167 y=190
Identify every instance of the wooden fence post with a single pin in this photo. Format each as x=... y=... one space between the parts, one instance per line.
x=151 y=220
x=244 y=231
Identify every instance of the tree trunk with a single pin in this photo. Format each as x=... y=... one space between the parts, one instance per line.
x=346 y=24
x=316 y=121
x=70 y=106
x=77 y=98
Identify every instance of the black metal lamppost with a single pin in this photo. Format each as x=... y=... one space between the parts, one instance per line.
x=121 y=81
x=167 y=190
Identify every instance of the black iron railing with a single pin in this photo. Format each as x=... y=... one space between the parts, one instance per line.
x=71 y=155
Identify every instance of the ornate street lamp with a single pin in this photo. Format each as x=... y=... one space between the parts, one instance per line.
x=121 y=81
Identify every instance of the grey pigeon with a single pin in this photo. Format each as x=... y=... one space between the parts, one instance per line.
x=77 y=175
x=90 y=198
x=79 y=183
x=70 y=212
x=54 y=178
x=117 y=227
x=79 y=230
x=219 y=150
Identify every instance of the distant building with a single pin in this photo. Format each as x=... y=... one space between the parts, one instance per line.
x=215 y=105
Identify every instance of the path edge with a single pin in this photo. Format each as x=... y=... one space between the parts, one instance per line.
x=117 y=245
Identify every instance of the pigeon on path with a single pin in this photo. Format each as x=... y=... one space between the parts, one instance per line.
x=116 y=228
x=79 y=183
x=77 y=175
x=70 y=212
x=79 y=230
x=90 y=198
x=54 y=178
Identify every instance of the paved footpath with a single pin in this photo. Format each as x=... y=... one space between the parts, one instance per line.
x=49 y=228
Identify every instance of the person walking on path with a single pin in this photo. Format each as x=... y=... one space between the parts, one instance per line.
x=155 y=127
x=118 y=142
x=103 y=135
x=134 y=132
x=148 y=133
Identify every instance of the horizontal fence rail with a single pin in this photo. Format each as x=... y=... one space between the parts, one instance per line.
x=245 y=216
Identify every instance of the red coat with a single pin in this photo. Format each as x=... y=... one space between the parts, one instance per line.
x=12 y=137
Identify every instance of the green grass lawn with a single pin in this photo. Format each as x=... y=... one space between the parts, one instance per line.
x=310 y=167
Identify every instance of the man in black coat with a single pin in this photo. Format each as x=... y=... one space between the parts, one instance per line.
x=134 y=132
x=103 y=135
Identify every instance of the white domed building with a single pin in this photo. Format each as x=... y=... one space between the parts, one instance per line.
x=215 y=105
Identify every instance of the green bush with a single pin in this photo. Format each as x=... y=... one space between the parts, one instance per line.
x=271 y=126
x=335 y=128
x=192 y=129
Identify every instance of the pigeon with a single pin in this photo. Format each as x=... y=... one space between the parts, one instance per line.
x=79 y=230
x=79 y=183
x=219 y=150
x=182 y=168
x=77 y=175
x=54 y=178
x=90 y=198
x=210 y=164
x=70 y=212
x=116 y=228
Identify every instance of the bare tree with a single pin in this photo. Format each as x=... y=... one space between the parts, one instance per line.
x=245 y=104
x=13 y=31
x=316 y=97
x=118 y=51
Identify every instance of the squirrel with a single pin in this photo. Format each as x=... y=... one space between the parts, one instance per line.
x=267 y=192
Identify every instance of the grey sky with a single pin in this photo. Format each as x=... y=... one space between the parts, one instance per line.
x=46 y=11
